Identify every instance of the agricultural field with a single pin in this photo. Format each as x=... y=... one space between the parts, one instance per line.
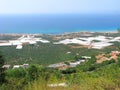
x=49 y=53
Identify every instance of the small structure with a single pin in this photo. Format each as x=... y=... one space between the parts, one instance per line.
x=115 y=54
x=76 y=63
x=6 y=66
x=82 y=60
x=86 y=57
x=68 y=52
x=64 y=67
x=19 y=47
x=58 y=85
x=33 y=42
x=102 y=59
x=16 y=66
x=60 y=66
x=23 y=66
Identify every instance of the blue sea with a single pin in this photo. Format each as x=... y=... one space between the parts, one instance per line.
x=56 y=24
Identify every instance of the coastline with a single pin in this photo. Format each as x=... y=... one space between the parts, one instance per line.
x=81 y=31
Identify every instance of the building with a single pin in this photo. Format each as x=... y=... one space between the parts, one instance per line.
x=86 y=57
x=16 y=66
x=23 y=66
x=6 y=66
x=60 y=66
x=76 y=63
x=115 y=54
x=19 y=47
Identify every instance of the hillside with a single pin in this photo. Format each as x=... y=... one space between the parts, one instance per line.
x=86 y=76
x=100 y=72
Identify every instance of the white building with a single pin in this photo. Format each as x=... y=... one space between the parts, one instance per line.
x=19 y=47
x=6 y=66
x=23 y=66
x=16 y=66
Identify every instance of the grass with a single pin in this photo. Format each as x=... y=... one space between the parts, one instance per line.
x=104 y=78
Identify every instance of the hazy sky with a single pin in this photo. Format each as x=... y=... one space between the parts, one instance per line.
x=59 y=6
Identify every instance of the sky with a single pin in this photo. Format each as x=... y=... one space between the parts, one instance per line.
x=59 y=6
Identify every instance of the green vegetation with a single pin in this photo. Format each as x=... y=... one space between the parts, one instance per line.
x=44 y=54
x=2 y=74
x=86 y=76
x=50 y=53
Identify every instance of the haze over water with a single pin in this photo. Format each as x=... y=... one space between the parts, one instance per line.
x=55 y=24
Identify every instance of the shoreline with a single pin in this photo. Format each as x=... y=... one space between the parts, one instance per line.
x=82 y=31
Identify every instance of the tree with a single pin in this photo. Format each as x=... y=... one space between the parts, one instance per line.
x=33 y=72
x=2 y=73
x=16 y=73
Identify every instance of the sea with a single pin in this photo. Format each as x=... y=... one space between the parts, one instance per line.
x=57 y=24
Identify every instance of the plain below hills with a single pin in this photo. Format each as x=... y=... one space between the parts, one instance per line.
x=50 y=53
